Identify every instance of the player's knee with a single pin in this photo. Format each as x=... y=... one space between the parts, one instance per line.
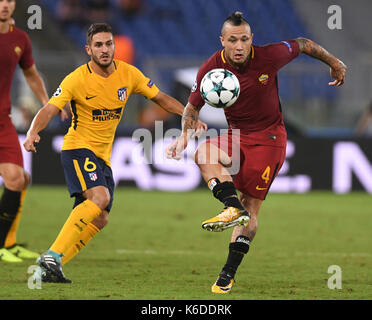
x=103 y=201
x=204 y=155
x=16 y=180
x=101 y=198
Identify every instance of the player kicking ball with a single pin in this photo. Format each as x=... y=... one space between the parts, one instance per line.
x=98 y=92
x=256 y=127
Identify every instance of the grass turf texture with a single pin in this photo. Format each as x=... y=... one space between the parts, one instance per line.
x=154 y=248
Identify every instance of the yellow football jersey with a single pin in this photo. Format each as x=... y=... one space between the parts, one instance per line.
x=97 y=104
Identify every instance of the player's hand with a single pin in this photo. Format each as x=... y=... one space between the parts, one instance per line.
x=31 y=140
x=175 y=149
x=338 y=73
x=64 y=115
x=199 y=128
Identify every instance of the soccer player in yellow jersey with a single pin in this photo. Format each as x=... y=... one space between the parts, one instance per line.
x=97 y=92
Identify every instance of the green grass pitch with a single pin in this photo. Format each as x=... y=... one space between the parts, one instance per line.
x=155 y=249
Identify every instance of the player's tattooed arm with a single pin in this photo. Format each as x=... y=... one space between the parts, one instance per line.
x=189 y=120
x=312 y=49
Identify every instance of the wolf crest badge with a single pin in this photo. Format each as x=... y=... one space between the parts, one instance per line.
x=122 y=94
x=264 y=79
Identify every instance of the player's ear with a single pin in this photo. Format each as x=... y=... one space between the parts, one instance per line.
x=222 y=41
x=87 y=49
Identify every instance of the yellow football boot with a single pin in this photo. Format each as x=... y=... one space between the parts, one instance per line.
x=228 y=218
x=22 y=252
x=7 y=256
x=223 y=284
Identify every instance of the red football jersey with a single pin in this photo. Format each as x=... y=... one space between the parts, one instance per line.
x=258 y=106
x=15 y=49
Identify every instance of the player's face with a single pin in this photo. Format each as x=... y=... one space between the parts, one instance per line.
x=102 y=49
x=237 y=41
x=7 y=8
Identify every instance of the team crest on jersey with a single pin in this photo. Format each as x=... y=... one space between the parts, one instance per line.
x=122 y=94
x=93 y=176
x=264 y=79
x=18 y=50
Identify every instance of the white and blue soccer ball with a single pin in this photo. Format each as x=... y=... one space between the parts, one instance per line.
x=220 y=88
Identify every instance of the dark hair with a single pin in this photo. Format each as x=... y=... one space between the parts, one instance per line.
x=236 y=19
x=97 y=28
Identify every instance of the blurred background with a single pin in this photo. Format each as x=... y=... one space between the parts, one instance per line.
x=169 y=39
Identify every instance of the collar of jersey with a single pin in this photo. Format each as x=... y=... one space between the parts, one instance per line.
x=92 y=71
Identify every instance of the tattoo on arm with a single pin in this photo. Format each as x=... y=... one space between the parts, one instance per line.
x=314 y=50
x=189 y=118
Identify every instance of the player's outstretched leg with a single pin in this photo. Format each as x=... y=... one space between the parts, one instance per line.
x=234 y=213
x=51 y=267
x=213 y=164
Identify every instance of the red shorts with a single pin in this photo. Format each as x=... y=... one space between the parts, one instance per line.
x=256 y=158
x=10 y=150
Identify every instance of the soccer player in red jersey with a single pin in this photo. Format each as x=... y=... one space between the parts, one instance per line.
x=15 y=49
x=255 y=125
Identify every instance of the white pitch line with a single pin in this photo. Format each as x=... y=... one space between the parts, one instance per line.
x=155 y=252
x=334 y=254
x=282 y=254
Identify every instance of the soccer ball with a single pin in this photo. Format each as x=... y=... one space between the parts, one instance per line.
x=220 y=88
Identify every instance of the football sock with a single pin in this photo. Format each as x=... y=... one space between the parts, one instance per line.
x=237 y=250
x=80 y=217
x=9 y=206
x=11 y=238
x=225 y=192
x=85 y=236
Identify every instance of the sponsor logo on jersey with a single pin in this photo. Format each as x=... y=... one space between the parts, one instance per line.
x=288 y=46
x=106 y=114
x=122 y=94
x=264 y=79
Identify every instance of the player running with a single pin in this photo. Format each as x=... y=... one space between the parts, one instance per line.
x=98 y=92
x=257 y=114
x=15 y=49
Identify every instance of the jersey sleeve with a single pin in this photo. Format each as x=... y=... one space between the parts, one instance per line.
x=143 y=85
x=26 y=60
x=64 y=92
x=283 y=52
